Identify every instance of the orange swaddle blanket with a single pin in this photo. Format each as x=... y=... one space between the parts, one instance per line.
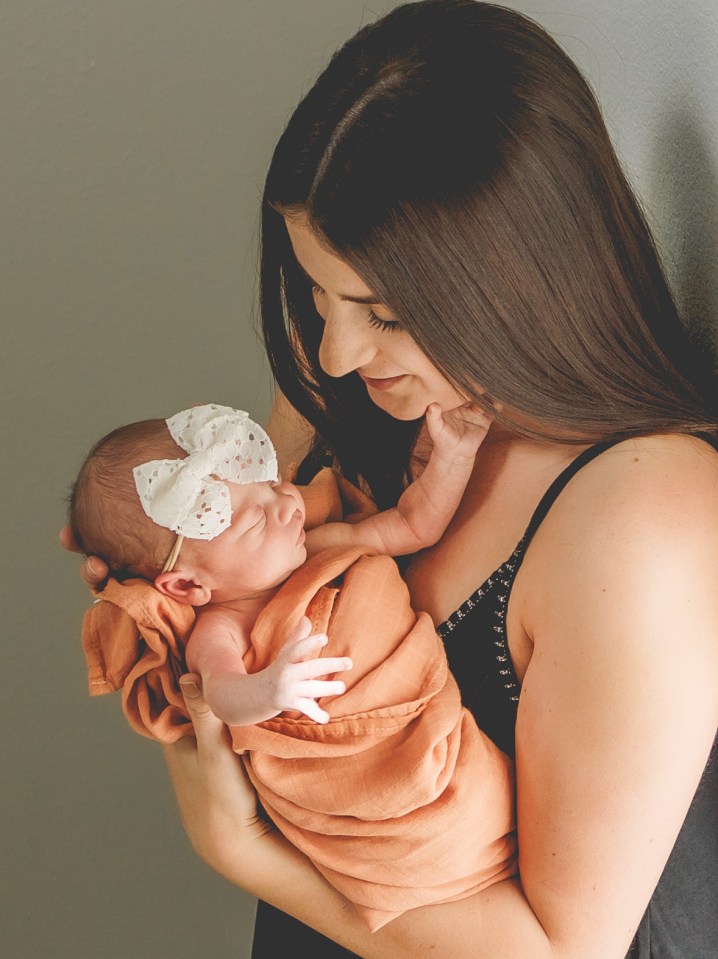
x=399 y=800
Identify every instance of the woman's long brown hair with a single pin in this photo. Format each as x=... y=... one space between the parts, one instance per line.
x=456 y=158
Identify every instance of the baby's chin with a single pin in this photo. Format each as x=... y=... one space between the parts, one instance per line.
x=301 y=559
x=298 y=559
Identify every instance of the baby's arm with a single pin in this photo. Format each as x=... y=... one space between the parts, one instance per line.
x=426 y=506
x=238 y=698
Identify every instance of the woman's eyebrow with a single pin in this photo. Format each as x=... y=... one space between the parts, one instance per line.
x=370 y=300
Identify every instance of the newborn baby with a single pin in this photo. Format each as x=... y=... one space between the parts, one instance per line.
x=195 y=505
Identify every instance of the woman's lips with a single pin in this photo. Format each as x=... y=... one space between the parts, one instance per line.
x=385 y=383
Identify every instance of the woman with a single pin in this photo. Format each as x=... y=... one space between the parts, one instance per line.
x=444 y=218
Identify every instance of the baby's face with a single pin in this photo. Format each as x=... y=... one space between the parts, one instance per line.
x=264 y=544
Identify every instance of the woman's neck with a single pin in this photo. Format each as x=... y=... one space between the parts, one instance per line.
x=511 y=474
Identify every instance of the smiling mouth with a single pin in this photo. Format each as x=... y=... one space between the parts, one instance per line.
x=385 y=383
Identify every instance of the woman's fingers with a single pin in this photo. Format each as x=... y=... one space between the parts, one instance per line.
x=216 y=801
x=68 y=541
x=211 y=732
x=94 y=571
x=204 y=768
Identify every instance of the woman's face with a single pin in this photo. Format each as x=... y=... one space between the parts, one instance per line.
x=361 y=336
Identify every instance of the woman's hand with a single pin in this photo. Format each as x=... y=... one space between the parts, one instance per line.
x=216 y=801
x=94 y=571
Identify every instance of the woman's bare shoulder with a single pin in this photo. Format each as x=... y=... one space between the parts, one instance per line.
x=665 y=458
x=630 y=548
x=642 y=489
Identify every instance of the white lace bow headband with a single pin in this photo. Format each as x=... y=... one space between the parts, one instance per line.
x=188 y=496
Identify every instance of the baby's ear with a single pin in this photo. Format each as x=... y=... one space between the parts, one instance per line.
x=183 y=587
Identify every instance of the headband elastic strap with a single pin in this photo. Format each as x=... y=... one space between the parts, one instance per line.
x=174 y=555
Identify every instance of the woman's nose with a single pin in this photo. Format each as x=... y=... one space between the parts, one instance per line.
x=347 y=342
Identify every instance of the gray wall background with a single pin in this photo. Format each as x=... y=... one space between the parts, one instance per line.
x=135 y=137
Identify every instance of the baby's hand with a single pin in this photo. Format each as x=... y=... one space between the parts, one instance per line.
x=457 y=432
x=293 y=677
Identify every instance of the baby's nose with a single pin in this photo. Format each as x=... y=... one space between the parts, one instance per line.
x=287 y=507
x=288 y=512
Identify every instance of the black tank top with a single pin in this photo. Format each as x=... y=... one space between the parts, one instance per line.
x=681 y=921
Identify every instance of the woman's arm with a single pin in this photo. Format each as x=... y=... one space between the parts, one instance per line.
x=617 y=716
x=619 y=704
x=219 y=811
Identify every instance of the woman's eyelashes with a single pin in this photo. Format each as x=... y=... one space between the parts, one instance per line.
x=387 y=326
x=317 y=291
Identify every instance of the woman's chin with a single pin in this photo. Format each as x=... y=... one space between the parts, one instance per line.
x=408 y=408
x=398 y=406
x=400 y=411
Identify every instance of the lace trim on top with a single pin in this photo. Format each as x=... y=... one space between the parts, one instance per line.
x=500 y=583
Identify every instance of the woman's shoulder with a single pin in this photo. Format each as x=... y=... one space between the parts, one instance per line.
x=668 y=480
x=642 y=513
x=662 y=454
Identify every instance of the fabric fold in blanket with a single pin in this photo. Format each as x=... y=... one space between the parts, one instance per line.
x=399 y=800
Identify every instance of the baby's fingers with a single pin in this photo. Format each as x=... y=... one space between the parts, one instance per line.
x=473 y=413
x=312 y=668
x=434 y=420
x=309 y=646
x=317 y=688
x=310 y=709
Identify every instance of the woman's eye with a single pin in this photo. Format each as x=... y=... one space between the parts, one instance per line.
x=387 y=326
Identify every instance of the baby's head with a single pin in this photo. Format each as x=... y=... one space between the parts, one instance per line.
x=204 y=482
x=106 y=514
